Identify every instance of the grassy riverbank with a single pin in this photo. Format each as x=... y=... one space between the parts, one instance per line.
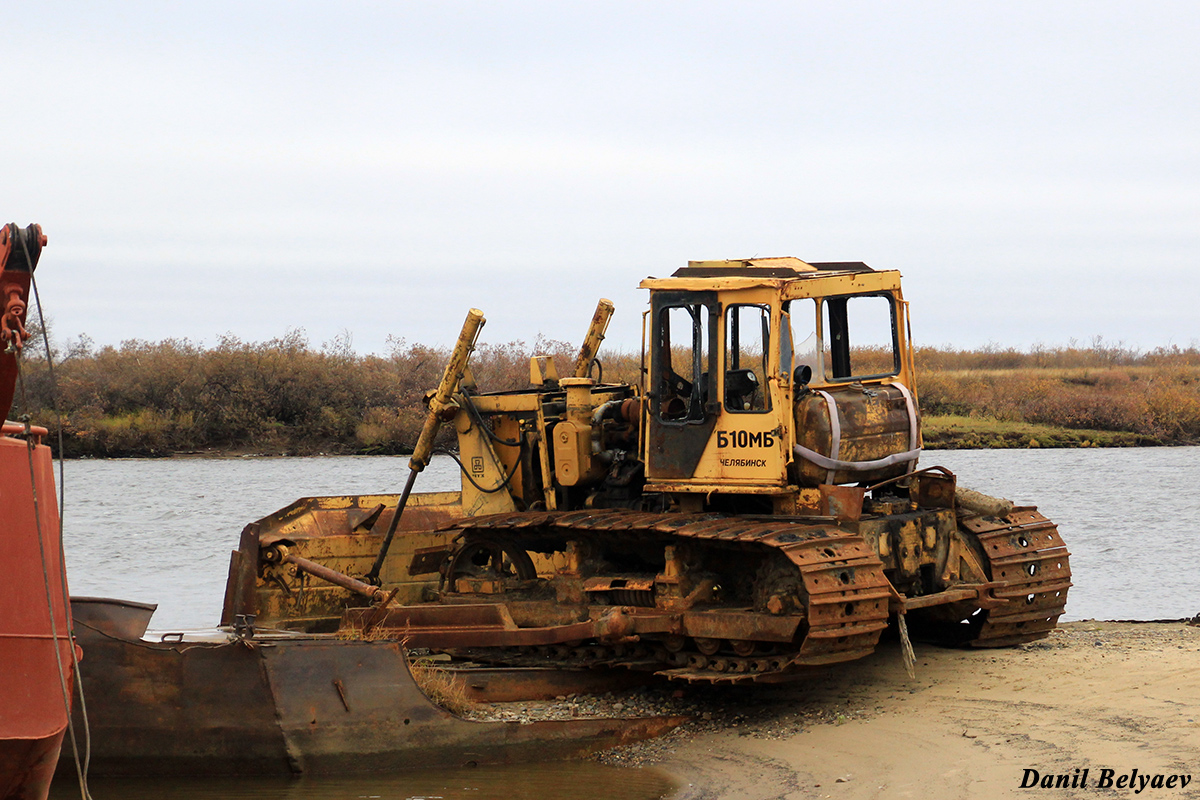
x=955 y=432
x=286 y=396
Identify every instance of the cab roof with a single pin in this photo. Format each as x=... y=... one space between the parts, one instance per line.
x=778 y=267
x=787 y=275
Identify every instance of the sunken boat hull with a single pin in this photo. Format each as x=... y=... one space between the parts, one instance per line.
x=289 y=704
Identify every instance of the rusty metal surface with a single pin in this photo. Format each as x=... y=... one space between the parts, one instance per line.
x=27 y=766
x=507 y=684
x=465 y=626
x=1027 y=554
x=344 y=534
x=291 y=705
x=841 y=502
x=869 y=423
x=492 y=625
x=595 y=335
x=981 y=595
x=20 y=250
x=429 y=560
x=730 y=579
x=125 y=619
x=830 y=581
x=333 y=576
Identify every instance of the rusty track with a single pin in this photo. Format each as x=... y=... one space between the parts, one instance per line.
x=837 y=578
x=1025 y=551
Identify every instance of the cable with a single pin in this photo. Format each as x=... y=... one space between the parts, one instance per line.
x=504 y=485
x=80 y=770
x=62 y=679
x=487 y=429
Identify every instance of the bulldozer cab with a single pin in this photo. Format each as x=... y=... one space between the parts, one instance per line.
x=764 y=376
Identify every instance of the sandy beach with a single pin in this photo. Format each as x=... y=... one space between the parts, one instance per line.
x=1095 y=696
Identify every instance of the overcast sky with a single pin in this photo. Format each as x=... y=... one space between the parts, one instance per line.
x=1033 y=169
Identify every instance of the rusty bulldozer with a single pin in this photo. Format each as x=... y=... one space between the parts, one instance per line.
x=753 y=508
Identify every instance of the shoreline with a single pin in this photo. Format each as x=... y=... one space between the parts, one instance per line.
x=1095 y=695
x=933 y=441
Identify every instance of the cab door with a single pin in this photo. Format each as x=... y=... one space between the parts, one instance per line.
x=750 y=447
x=682 y=384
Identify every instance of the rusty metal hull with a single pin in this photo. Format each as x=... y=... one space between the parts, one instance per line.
x=295 y=704
x=27 y=765
x=499 y=685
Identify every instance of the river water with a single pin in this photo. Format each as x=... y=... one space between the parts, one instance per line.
x=160 y=531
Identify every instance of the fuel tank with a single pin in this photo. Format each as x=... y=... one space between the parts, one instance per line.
x=855 y=434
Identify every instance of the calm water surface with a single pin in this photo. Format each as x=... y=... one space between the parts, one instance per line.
x=1129 y=516
x=160 y=531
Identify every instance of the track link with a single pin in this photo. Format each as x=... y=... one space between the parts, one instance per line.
x=845 y=593
x=1025 y=550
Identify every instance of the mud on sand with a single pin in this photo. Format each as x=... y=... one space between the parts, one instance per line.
x=1095 y=696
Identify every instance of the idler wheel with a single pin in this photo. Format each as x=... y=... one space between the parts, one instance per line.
x=779 y=587
x=743 y=647
x=492 y=560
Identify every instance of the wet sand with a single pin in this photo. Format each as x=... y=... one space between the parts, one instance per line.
x=1094 y=696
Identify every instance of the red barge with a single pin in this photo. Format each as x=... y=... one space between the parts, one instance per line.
x=37 y=654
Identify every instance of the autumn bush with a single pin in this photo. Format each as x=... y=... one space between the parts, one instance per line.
x=286 y=396
x=279 y=396
x=1155 y=395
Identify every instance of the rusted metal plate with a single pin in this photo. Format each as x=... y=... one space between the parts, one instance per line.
x=427 y=560
x=935 y=490
x=605 y=584
x=27 y=766
x=741 y=625
x=455 y=626
x=507 y=684
x=302 y=704
x=331 y=532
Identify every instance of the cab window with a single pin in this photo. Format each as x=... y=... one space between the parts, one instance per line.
x=682 y=382
x=747 y=344
x=859 y=333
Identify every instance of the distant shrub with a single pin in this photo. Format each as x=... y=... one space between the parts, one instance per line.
x=283 y=395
